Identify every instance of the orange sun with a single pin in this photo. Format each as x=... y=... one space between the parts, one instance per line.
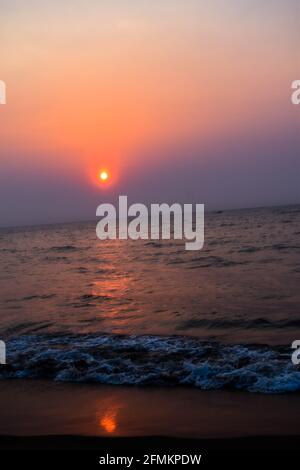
x=103 y=175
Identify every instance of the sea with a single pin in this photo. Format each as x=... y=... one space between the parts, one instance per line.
x=74 y=308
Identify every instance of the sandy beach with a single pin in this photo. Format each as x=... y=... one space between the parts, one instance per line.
x=63 y=415
x=149 y=233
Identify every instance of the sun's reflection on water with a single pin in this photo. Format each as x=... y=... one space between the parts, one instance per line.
x=108 y=420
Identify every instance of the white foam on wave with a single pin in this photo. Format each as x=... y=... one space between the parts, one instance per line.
x=151 y=360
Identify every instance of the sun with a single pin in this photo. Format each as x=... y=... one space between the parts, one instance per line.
x=103 y=175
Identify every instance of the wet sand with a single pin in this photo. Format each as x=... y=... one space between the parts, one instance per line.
x=44 y=408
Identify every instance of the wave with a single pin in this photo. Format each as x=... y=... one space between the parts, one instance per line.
x=151 y=360
x=255 y=324
x=63 y=248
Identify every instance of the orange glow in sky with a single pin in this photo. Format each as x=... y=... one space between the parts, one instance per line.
x=148 y=84
x=165 y=73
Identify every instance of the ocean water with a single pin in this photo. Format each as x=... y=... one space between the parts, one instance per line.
x=74 y=308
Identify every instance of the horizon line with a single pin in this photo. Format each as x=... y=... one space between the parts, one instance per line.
x=84 y=221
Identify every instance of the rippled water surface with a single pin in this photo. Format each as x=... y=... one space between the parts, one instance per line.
x=241 y=289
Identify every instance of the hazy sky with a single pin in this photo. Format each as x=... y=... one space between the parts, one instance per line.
x=181 y=100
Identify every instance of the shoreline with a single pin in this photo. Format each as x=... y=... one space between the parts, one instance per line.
x=46 y=413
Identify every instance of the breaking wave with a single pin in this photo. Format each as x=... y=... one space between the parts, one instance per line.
x=151 y=360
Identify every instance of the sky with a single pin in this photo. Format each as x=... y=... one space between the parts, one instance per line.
x=179 y=100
